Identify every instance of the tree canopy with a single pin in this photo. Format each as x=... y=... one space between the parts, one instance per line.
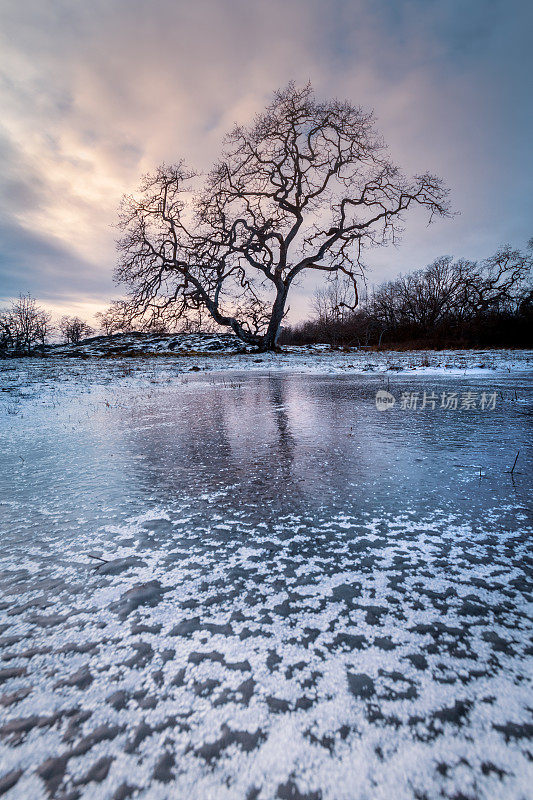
x=309 y=185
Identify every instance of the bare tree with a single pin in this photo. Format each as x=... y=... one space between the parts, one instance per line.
x=74 y=329
x=24 y=326
x=307 y=186
x=333 y=306
x=115 y=319
x=333 y=302
x=503 y=279
x=105 y=324
x=427 y=295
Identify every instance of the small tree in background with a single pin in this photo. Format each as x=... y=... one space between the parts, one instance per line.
x=74 y=329
x=115 y=319
x=25 y=326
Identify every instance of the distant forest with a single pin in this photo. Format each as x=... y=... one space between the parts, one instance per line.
x=461 y=304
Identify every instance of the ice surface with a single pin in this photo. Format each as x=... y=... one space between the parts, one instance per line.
x=300 y=596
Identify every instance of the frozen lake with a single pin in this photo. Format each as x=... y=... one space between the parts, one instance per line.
x=302 y=597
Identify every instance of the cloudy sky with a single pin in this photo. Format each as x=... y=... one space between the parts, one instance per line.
x=95 y=93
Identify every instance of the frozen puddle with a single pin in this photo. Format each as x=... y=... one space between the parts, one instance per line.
x=259 y=586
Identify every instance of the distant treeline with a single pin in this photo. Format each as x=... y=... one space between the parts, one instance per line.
x=448 y=304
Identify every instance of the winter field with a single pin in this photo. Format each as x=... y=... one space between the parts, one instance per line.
x=230 y=576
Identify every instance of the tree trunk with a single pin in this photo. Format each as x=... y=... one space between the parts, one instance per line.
x=278 y=309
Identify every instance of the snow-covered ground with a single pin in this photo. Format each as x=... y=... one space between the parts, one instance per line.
x=233 y=577
x=225 y=351
x=151 y=344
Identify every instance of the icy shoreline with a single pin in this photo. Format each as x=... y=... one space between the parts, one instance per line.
x=318 y=359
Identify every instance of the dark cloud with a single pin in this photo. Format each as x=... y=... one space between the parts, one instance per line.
x=32 y=262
